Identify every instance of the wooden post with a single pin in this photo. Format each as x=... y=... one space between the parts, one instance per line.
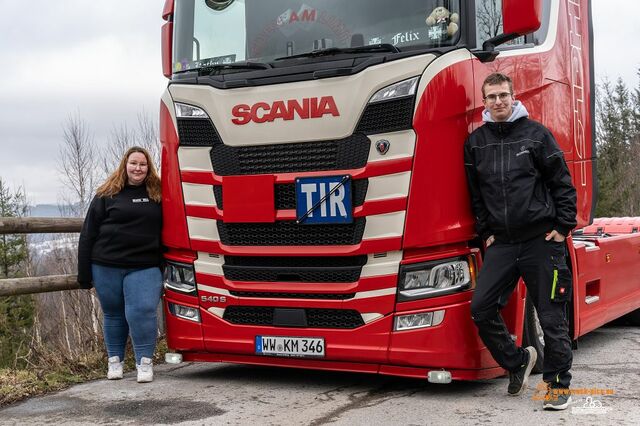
x=39 y=225
x=17 y=286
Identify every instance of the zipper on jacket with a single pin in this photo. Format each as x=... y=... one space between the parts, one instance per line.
x=504 y=190
x=495 y=160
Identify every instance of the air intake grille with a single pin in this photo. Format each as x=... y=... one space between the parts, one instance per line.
x=333 y=318
x=315 y=318
x=288 y=233
x=197 y=132
x=344 y=154
x=389 y=116
x=285 y=194
x=294 y=269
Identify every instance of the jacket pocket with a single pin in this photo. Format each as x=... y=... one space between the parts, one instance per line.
x=540 y=193
x=521 y=162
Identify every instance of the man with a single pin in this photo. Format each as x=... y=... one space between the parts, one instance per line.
x=525 y=206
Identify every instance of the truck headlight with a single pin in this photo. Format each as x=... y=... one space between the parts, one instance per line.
x=420 y=320
x=184 y=312
x=189 y=111
x=402 y=89
x=436 y=278
x=179 y=277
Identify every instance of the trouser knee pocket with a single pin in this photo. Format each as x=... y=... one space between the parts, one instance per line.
x=561 y=284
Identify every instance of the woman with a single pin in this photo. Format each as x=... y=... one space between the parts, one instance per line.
x=119 y=254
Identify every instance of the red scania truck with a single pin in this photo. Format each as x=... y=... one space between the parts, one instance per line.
x=316 y=211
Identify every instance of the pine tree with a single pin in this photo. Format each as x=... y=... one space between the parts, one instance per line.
x=16 y=313
x=13 y=248
x=618 y=143
x=633 y=171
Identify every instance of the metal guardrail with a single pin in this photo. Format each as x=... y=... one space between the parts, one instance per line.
x=38 y=225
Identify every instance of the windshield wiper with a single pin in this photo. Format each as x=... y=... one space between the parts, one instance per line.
x=344 y=50
x=218 y=69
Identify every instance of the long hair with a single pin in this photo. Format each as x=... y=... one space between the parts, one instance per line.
x=118 y=178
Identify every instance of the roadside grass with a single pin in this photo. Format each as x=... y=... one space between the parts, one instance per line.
x=52 y=373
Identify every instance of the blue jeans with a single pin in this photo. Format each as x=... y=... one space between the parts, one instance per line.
x=129 y=300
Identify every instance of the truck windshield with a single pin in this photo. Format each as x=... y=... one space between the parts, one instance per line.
x=218 y=32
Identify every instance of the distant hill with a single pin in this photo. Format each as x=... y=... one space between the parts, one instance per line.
x=45 y=210
x=36 y=240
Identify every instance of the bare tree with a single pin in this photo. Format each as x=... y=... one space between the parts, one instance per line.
x=489 y=22
x=69 y=321
x=488 y=18
x=148 y=137
x=123 y=137
x=77 y=165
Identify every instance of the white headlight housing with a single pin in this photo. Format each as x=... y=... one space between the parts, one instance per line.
x=185 y=312
x=436 y=278
x=419 y=320
x=401 y=89
x=189 y=111
x=179 y=277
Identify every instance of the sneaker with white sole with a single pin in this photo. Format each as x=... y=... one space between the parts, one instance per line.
x=145 y=370
x=519 y=379
x=557 y=399
x=116 y=368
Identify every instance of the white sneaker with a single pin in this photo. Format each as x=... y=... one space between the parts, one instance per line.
x=145 y=370
x=115 y=368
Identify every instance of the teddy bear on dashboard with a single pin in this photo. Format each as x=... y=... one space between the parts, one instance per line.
x=442 y=24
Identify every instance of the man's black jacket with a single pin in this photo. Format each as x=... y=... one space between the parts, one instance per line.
x=519 y=181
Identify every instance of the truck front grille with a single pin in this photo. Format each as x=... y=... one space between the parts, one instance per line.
x=344 y=154
x=313 y=318
x=294 y=269
x=389 y=116
x=197 y=132
x=348 y=153
x=288 y=233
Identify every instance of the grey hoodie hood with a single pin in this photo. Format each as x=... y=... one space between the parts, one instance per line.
x=519 y=111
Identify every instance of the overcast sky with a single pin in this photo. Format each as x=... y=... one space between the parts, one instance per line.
x=101 y=60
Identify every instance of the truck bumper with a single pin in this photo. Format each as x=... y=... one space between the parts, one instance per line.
x=453 y=345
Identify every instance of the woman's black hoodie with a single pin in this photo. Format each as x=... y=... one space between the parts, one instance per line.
x=121 y=231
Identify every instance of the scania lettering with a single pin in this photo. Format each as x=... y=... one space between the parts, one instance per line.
x=263 y=112
x=315 y=204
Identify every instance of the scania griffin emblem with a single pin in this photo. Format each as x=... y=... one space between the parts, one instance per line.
x=383 y=146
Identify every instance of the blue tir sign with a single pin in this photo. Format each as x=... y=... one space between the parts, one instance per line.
x=324 y=200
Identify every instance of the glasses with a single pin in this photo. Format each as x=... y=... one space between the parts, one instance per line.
x=503 y=97
x=135 y=164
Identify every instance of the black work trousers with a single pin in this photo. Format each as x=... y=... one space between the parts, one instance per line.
x=542 y=265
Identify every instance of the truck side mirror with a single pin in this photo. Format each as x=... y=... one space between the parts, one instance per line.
x=167 y=39
x=520 y=17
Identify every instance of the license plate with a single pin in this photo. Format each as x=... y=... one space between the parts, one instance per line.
x=290 y=346
x=325 y=199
